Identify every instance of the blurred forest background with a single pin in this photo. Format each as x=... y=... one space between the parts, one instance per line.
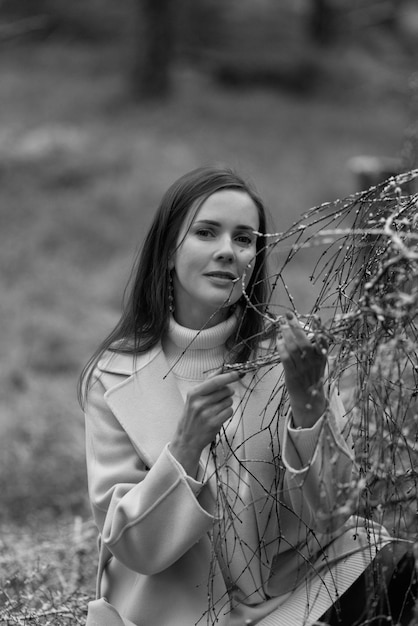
x=103 y=105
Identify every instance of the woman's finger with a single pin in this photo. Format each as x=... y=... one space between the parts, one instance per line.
x=296 y=343
x=218 y=381
x=201 y=404
x=295 y=328
x=296 y=337
x=214 y=373
x=215 y=410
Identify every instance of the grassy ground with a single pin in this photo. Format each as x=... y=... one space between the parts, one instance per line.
x=82 y=168
x=48 y=570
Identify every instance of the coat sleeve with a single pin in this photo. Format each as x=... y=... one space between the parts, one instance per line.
x=321 y=472
x=148 y=517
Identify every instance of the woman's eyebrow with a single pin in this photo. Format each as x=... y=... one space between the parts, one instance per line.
x=215 y=223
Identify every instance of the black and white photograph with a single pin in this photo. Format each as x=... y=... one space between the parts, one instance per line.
x=209 y=313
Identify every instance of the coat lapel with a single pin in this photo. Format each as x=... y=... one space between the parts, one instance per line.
x=147 y=402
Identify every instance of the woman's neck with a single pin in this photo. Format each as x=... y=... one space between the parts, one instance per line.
x=195 y=319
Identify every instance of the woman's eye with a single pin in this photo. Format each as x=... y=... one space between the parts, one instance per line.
x=204 y=233
x=244 y=240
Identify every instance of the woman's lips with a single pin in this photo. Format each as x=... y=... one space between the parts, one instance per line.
x=222 y=275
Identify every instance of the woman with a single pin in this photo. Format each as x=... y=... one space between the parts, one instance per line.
x=221 y=497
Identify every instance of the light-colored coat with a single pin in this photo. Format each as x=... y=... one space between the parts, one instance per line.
x=157 y=523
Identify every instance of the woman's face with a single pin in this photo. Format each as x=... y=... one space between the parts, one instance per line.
x=215 y=249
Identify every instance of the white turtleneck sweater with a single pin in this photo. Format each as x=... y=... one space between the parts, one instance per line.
x=193 y=354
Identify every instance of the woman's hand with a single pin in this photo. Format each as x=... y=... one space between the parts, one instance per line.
x=304 y=365
x=207 y=407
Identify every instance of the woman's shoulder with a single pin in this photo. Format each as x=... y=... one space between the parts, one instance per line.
x=117 y=362
x=124 y=359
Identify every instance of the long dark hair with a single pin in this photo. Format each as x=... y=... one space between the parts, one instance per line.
x=145 y=316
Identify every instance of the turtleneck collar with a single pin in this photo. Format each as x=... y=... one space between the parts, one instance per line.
x=192 y=353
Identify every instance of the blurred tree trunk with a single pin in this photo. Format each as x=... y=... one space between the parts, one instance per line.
x=154 y=49
x=322 y=21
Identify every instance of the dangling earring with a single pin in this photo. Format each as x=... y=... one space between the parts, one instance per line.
x=170 y=293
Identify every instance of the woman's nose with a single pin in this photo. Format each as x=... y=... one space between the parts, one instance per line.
x=225 y=250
